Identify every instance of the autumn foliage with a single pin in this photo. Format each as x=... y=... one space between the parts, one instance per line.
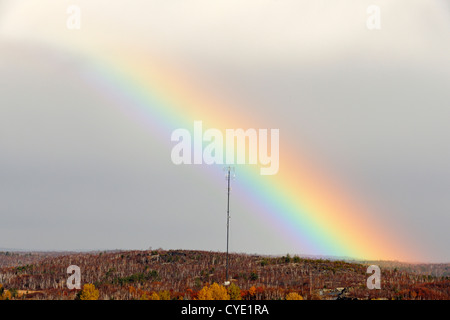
x=234 y=292
x=293 y=296
x=213 y=292
x=5 y=294
x=89 y=292
x=198 y=275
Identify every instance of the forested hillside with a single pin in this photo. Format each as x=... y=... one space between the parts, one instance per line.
x=182 y=274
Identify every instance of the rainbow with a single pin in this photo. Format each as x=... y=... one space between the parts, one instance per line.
x=308 y=208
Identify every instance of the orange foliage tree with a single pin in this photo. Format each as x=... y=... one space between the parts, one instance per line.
x=213 y=292
x=89 y=292
x=5 y=294
x=234 y=292
x=293 y=296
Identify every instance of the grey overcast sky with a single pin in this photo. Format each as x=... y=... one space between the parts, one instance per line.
x=372 y=106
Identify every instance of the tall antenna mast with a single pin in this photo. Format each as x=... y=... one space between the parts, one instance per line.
x=228 y=177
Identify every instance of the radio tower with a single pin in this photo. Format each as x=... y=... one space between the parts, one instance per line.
x=228 y=177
